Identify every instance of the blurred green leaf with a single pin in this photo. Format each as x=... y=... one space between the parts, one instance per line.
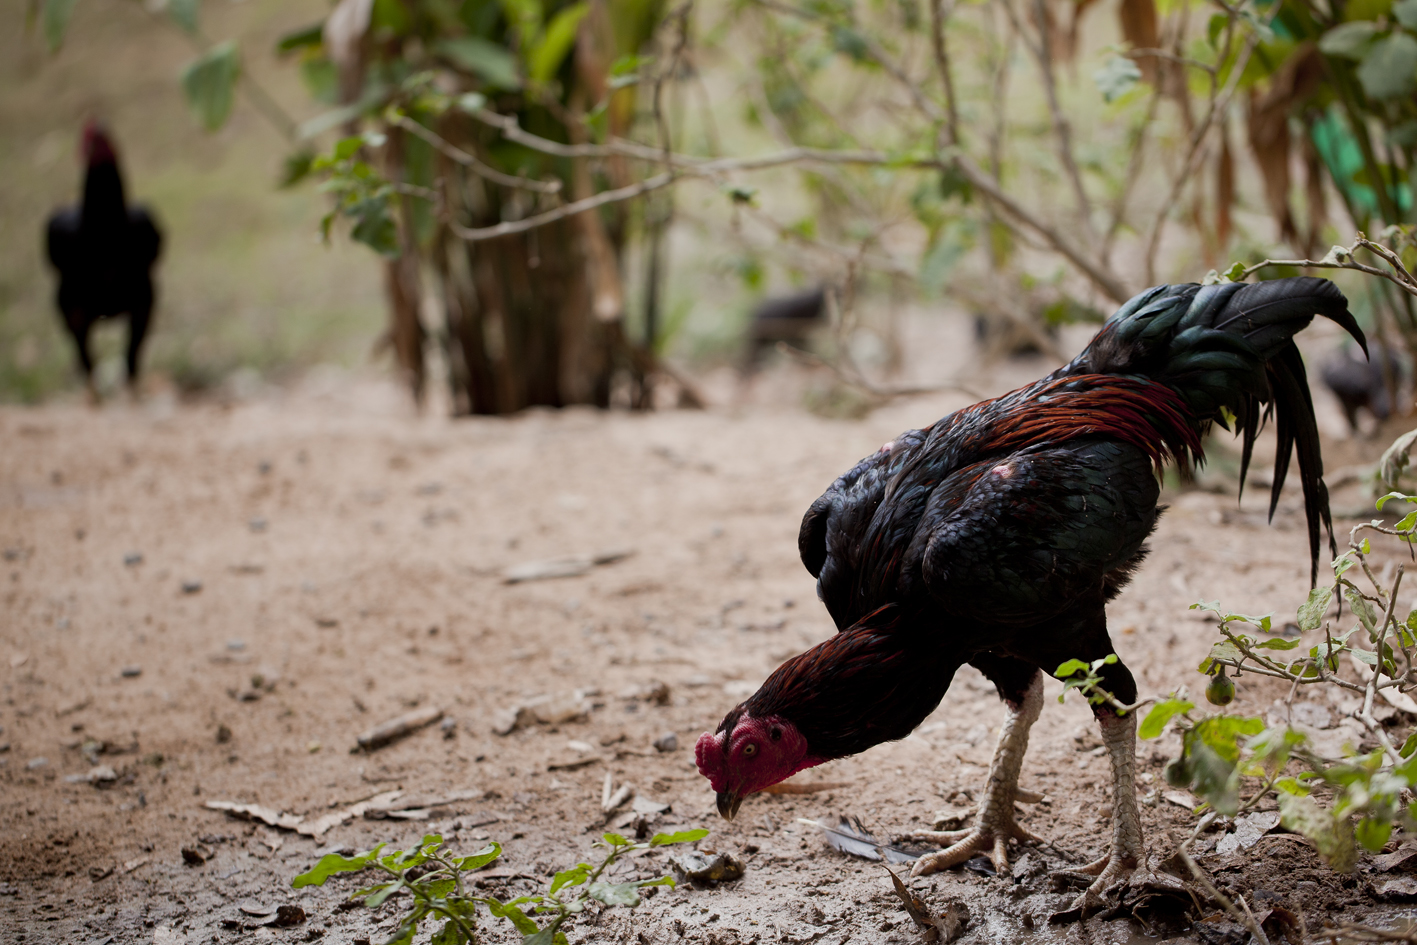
x=1389 y=69
x=297 y=167
x=1311 y=612
x=847 y=40
x=1350 y=40
x=545 y=57
x=210 y=84
x=1406 y=13
x=382 y=893
x=1361 y=609
x=1116 y=78
x=1160 y=714
x=1277 y=643
x=1332 y=836
x=1214 y=28
x=303 y=38
x=512 y=914
x=376 y=229
x=1373 y=833
x=490 y=62
x=571 y=877
x=184 y=13
x=1223 y=650
x=683 y=836
x=55 y=16
x=481 y=858
x=615 y=840
x=615 y=894
x=1214 y=777
x=332 y=863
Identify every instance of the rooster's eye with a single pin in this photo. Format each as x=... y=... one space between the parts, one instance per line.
x=776 y=734
x=750 y=750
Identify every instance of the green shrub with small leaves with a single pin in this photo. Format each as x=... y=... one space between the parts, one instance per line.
x=435 y=885
x=1342 y=804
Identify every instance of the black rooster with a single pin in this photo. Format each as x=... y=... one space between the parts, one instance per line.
x=996 y=536
x=104 y=252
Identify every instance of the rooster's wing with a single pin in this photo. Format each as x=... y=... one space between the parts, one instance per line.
x=1034 y=532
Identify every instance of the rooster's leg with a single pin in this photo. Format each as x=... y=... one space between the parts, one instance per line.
x=1119 y=736
x=995 y=825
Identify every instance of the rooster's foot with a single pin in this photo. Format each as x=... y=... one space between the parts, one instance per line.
x=990 y=839
x=1110 y=872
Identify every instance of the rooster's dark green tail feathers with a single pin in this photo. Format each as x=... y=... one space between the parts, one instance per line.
x=1231 y=346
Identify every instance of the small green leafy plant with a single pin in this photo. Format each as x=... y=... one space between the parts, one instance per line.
x=1367 y=794
x=435 y=884
x=1086 y=678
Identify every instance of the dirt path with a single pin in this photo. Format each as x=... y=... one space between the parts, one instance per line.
x=214 y=601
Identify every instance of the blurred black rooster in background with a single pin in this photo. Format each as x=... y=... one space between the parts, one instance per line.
x=1363 y=384
x=996 y=536
x=104 y=252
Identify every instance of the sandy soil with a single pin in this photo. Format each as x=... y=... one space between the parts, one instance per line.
x=215 y=600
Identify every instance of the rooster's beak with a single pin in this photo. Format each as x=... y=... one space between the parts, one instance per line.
x=728 y=804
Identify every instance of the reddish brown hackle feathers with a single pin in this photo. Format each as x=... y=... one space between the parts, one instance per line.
x=1150 y=416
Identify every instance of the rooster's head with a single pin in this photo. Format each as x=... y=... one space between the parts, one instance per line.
x=747 y=754
x=95 y=146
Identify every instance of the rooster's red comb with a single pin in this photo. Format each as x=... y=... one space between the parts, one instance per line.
x=95 y=146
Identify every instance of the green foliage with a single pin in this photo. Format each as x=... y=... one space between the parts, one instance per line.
x=434 y=883
x=1086 y=678
x=487 y=60
x=1116 y=78
x=55 y=14
x=361 y=193
x=1389 y=69
x=184 y=13
x=1366 y=796
x=210 y=84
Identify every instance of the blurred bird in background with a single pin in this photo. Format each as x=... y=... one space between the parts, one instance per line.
x=103 y=251
x=1365 y=384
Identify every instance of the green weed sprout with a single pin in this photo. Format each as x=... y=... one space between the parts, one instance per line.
x=434 y=881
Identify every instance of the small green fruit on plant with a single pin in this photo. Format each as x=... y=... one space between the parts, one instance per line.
x=1221 y=690
x=433 y=880
x=1177 y=773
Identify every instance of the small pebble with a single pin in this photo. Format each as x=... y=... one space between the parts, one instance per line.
x=667 y=742
x=449 y=725
x=133 y=558
x=258 y=524
x=130 y=671
x=235 y=645
x=35 y=763
x=191 y=587
x=263 y=467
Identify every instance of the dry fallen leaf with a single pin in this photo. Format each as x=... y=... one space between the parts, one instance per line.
x=941 y=929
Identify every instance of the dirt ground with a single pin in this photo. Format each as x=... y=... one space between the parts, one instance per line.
x=213 y=600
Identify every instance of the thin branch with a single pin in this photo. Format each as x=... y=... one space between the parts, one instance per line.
x=877 y=53
x=1218 y=105
x=1043 y=54
x=1119 y=208
x=855 y=379
x=1244 y=918
x=1342 y=258
x=1100 y=275
x=939 y=15
x=472 y=163
x=512 y=227
x=1170 y=57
